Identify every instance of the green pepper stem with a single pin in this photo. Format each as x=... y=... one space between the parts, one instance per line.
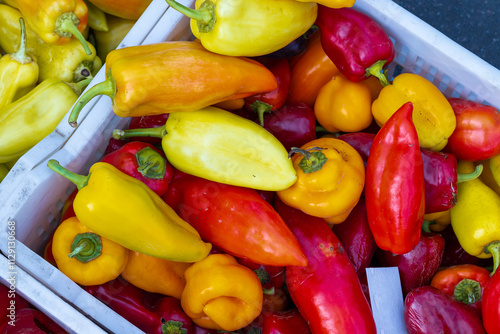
x=312 y=161
x=493 y=248
x=107 y=87
x=470 y=176
x=426 y=226
x=21 y=56
x=67 y=26
x=86 y=247
x=79 y=87
x=80 y=180
x=172 y=327
x=204 y=16
x=376 y=71
x=467 y=291
x=158 y=132
x=260 y=108
x=151 y=164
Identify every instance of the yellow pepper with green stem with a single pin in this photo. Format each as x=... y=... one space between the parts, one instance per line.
x=123 y=209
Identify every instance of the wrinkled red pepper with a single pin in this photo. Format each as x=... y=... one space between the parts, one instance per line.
x=151 y=313
x=355 y=43
x=395 y=187
x=491 y=304
x=327 y=292
x=144 y=162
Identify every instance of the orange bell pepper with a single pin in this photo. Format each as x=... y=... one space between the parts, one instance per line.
x=330 y=179
x=132 y=9
x=155 y=275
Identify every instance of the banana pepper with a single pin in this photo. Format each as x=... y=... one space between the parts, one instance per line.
x=330 y=179
x=221 y=294
x=248 y=27
x=55 y=21
x=220 y=146
x=476 y=217
x=66 y=62
x=174 y=76
x=97 y=19
x=123 y=209
x=433 y=115
x=18 y=72
x=85 y=257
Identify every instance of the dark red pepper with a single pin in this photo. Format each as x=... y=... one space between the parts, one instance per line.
x=429 y=310
x=327 y=291
x=284 y=322
x=29 y=320
x=355 y=43
x=477 y=134
x=356 y=237
x=144 y=162
x=395 y=187
x=491 y=304
x=10 y=303
x=418 y=266
x=361 y=141
x=151 y=313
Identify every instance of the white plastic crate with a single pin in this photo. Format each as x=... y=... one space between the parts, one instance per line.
x=35 y=202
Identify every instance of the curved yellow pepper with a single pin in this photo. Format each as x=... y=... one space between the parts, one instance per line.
x=155 y=275
x=84 y=256
x=330 y=179
x=221 y=294
x=248 y=27
x=433 y=115
x=437 y=221
x=123 y=209
x=476 y=217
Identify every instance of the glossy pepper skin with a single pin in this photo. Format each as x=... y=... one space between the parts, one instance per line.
x=248 y=28
x=155 y=275
x=132 y=11
x=18 y=72
x=144 y=162
x=221 y=294
x=340 y=307
x=429 y=310
x=476 y=217
x=220 y=146
x=143 y=222
x=395 y=186
x=330 y=190
x=174 y=76
x=235 y=219
x=143 y=309
x=491 y=305
x=465 y=282
x=55 y=21
x=85 y=257
x=27 y=121
x=67 y=62
x=284 y=322
x=434 y=118
x=418 y=266
x=477 y=135
x=355 y=42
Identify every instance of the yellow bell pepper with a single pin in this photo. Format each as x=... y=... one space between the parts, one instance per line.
x=156 y=275
x=221 y=294
x=343 y=105
x=332 y=3
x=84 y=256
x=248 y=27
x=18 y=72
x=476 y=217
x=330 y=179
x=123 y=209
x=437 y=221
x=433 y=115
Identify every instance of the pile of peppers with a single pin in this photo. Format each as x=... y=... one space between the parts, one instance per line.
x=267 y=163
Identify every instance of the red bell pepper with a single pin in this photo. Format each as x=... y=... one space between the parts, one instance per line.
x=151 y=313
x=491 y=304
x=465 y=282
x=418 y=266
x=429 y=310
x=355 y=43
x=327 y=291
x=356 y=237
x=477 y=134
x=395 y=187
x=144 y=162
x=270 y=101
x=238 y=220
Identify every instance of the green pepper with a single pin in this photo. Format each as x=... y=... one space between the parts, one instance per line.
x=28 y=120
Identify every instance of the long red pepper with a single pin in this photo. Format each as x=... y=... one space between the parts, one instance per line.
x=491 y=304
x=327 y=291
x=395 y=188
